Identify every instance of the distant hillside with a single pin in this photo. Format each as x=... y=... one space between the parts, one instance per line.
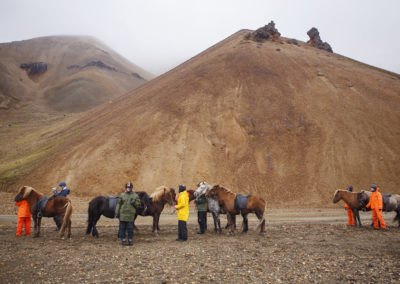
x=66 y=74
x=279 y=118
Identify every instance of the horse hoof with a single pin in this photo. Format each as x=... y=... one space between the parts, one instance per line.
x=262 y=234
x=35 y=236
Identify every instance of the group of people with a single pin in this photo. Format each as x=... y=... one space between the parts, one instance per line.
x=24 y=213
x=128 y=202
x=376 y=205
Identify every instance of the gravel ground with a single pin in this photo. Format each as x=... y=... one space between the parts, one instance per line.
x=300 y=246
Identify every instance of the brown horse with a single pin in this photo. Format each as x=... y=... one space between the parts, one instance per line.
x=352 y=199
x=161 y=196
x=226 y=199
x=59 y=207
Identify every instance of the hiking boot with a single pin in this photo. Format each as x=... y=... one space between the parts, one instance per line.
x=130 y=243
x=124 y=243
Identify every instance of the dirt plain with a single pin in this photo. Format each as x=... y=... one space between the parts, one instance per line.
x=300 y=246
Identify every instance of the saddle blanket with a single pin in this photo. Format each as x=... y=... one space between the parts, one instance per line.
x=386 y=200
x=241 y=201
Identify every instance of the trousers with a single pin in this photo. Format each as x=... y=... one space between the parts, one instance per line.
x=182 y=230
x=350 y=217
x=21 y=222
x=123 y=227
x=378 y=219
x=202 y=220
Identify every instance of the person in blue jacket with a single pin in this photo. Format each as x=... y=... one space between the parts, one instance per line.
x=63 y=192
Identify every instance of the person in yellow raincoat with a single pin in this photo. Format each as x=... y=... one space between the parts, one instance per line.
x=183 y=213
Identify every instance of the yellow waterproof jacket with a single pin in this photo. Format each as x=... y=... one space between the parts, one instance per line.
x=183 y=206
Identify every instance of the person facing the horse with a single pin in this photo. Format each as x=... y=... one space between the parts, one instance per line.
x=183 y=213
x=201 y=204
x=24 y=218
x=376 y=205
x=350 y=217
x=125 y=211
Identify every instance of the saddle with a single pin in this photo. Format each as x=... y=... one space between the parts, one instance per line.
x=40 y=205
x=241 y=201
x=386 y=200
x=112 y=200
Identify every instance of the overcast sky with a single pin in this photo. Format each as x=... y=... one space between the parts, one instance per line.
x=158 y=35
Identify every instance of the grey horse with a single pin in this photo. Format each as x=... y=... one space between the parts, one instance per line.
x=391 y=202
x=212 y=205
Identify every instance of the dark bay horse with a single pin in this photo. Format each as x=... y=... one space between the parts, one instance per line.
x=161 y=196
x=59 y=207
x=391 y=202
x=226 y=199
x=352 y=199
x=100 y=205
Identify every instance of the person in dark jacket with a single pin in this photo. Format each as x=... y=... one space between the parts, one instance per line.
x=63 y=192
x=125 y=211
x=201 y=204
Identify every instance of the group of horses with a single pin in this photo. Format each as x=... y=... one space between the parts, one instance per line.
x=358 y=200
x=220 y=201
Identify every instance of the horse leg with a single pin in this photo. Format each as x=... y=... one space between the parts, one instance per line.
x=69 y=229
x=134 y=226
x=261 y=218
x=357 y=214
x=38 y=226
x=35 y=221
x=219 y=223
x=215 y=221
x=230 y=224
x=245 y=223
x=157 y=217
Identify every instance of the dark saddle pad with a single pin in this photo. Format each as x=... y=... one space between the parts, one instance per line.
x=386 y=200
x=241 y=201
x=112 y=201
x=41 y=204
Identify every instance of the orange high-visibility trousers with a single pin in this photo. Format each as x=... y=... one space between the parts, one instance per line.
x=21 y=222
x=377 y=217
x=350 y=217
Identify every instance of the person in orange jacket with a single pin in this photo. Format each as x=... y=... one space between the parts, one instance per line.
x=376 y=205
x=350 y=217
x=24 y=217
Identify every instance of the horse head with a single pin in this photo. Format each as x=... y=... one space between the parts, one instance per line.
x=170 y=194
x=337 y=196
x=202 y=188
x=23 y=193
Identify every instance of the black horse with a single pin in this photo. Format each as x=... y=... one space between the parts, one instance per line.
x=100 y=205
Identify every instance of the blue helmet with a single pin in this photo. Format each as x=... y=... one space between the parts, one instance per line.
x=62 y=184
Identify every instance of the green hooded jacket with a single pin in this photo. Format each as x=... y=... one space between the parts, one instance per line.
x=201 y=203
x=127 y=204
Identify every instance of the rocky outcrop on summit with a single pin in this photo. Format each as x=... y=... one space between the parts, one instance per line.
x=316 y=41
x=267 y=32
x=36 y=68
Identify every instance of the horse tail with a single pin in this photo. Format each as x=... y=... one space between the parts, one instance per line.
x=90 y=219
x=67 y=217
x=397 y=217
x=261 y=224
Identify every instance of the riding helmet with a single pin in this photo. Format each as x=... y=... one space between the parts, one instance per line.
x=373 y=186
x=129 y=185
x=62 y=184
x=350 y=188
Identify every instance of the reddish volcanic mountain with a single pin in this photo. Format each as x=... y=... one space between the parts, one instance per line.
x=287 y=121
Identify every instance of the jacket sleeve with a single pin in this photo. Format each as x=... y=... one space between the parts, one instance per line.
x=137 y=202
x=369 y=203
x=117 y=208
x=180 y=204
x=18 y=203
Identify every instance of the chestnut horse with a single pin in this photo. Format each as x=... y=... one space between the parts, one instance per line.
x=226 y=198
x=352 y=199
x=59 y=207
x=161 y=196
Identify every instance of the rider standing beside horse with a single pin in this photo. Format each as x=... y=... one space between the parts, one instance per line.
x=350 y=215
x=201 y=204
x=125 y=211
x=376 y=205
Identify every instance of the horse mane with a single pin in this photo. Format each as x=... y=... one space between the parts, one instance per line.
x=225 y=189
x=159 y=192
x=28 y=190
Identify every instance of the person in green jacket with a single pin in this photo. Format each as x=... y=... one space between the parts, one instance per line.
x=201 y=204
x=125 y=211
